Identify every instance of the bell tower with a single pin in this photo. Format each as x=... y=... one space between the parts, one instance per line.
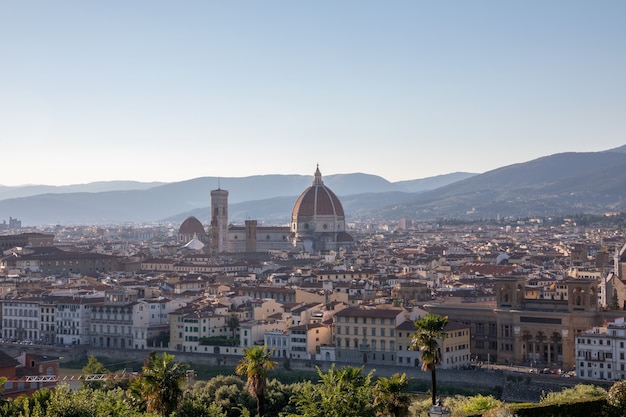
x=219 y=215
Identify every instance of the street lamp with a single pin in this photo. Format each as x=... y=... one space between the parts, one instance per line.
x=439 y=410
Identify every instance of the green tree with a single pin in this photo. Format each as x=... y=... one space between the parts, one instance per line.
x=226 y=391
x=344 y=392
x=161 y=383
x=577 y=393
x=94 y=367
x=88 y=403
x=617 y=397
x=430 y=330
x=474 y=405
x=390 y=396
x=254 y=365
x=192 y=406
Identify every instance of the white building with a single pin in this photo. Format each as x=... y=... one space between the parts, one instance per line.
x=20 y=319
x=73 y=319
x=150 y=318
x=601 y=352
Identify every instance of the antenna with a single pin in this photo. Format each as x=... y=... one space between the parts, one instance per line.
x=218 y=183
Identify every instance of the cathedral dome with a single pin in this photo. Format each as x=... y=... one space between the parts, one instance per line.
x=317 y=200
x=191 y=226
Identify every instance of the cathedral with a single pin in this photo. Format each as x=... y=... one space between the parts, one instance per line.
x=317 y=225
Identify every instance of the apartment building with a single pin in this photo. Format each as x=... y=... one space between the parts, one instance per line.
x=367 y=335
x=601 y=352
x=150 y=319
x=455 y=346
x=21 y=319
x=112 y=319
x=72 y=319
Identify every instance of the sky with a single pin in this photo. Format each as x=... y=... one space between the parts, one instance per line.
x=175 y=90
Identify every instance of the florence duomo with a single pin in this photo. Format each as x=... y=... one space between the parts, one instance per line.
x=318 y=224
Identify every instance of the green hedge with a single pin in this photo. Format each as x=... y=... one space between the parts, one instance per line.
x=594 y=408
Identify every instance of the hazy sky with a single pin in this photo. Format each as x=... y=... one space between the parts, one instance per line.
x=174 y=90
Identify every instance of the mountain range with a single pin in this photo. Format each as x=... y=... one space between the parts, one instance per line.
x=559 y=184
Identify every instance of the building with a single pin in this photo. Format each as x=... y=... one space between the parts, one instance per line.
x=23 y=240
x=306 y=340
x=367 y=335
x=150 y=320
x=112 y=320
x=253 y=238
x=27 y=373
x=219 y=221
x=191 y=229
x=455 y=346
x=50 y=260
x=318 y=222
x=73 y=317
x=20 y=319
x=601 y=352
x=527 y=331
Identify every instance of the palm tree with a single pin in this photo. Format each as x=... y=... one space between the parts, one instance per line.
x=430 y=330
x=254 y=365
x=161 y=383
x=390 y=397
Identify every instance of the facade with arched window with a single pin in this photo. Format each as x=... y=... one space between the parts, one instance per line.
x=531 y=331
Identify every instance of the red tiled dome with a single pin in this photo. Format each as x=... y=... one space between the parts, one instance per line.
x=190 y=226
x=317 y=200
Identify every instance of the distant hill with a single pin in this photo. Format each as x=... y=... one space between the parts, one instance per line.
x=92 y=187
x=431 y=183
x=566 y=183
x=621 y=149
x=268 y=198
x=560 y=184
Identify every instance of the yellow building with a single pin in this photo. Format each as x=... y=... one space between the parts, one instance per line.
x=367 y=335
x=455 y=346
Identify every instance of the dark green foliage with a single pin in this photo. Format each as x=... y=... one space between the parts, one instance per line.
x=344 y=392
x=196 y=407
x=391 y=397
x=218 y=341
x=593 y=408
x=161 y=383
x=66 y=403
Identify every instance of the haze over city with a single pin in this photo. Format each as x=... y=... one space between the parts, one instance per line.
x=161 y=91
